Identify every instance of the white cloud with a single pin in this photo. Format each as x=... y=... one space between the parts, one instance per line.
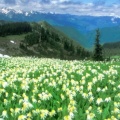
x=65 y=7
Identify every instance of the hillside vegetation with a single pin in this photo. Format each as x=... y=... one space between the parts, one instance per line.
x=53 y=89
x=112 y=49
x=38 y=39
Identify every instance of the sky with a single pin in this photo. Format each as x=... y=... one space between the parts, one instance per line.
x=75 y=7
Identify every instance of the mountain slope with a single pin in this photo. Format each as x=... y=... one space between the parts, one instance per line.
x=74 y=34
x=108 y=34
x=83 y=27
x=112 y=49
x=43 y=41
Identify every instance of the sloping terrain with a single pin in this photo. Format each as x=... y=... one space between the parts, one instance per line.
x=43 y=41
x=112 y=49
x=81 y=28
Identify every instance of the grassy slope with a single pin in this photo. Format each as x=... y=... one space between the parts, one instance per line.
x=84 y=88
x=9 y=48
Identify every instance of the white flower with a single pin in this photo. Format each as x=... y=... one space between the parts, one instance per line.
x=90 y=108
x=6 y=102
x=25 y=86
x=100 y=77
x=118 y=86
x=89 y=87
x=6 y=94
x=87 y=112
x=99 y=110
x=87 y=75
x=116 y=110
x=52 y=113
x=90 y=116
x=22 y=117
x=4 y=114
x=71 y=114
x=26 y=106
x=94 y=71
x=91 y=99
x=17 y=110
x=67 y=118
x=4 y=84
x=81 y=87
x=43 y=114
x=62 y=97
x=82 y=82
x=98 y=89
x=90 y=94
x=34 y=100
x=106 y=88
x=77 y=88
x=85 y=95
x=94 y=80
x=107 y=99
x=99 y=100
x=59 y=109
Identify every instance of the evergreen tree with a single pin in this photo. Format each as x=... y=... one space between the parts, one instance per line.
x=98 y=56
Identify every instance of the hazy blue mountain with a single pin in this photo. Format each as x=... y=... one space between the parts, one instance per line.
x=108 y=34
x=79 y=28
x=74 y=34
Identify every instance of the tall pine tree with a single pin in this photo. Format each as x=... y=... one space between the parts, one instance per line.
x=98 y=55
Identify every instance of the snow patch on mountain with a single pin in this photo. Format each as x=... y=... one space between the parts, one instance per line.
x=5 y=11
x=13 y=42
x=4 y=56
x=113 y=20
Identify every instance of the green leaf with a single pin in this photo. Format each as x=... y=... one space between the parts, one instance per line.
x=105 y=113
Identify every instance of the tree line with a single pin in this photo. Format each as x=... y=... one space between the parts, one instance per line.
x=42 y=36
x=14 y=28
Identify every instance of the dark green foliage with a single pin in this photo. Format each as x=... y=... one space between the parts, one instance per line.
x=66 y=45
x=14 y=28
x=111 y=49
x=41 y=40
x=112 y=45
x=78 y=50
x=21 y=46
x=32 y=38
x=51 y=43
x=98 y=55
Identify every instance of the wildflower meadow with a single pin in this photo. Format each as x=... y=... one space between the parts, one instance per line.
x=53 y=89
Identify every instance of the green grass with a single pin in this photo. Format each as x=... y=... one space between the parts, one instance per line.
x=52 y=89
x=116 y=57
x=14 y=37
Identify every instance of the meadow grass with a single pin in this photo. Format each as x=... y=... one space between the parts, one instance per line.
x=13 y=37
x=53 y=89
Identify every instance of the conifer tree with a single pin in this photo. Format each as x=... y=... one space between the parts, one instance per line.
x=98 y=55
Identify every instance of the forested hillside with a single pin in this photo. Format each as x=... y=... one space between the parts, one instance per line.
x=39 y=39
x=112 y=49
x=14 y=28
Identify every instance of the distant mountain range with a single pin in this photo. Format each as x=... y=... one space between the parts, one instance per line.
x=79 y=28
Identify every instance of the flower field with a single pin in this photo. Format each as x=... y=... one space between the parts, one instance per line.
x=52 y=89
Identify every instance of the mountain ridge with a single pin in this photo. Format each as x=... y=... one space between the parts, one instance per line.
x=112 y=48
x=83 y=26
x=43 y=41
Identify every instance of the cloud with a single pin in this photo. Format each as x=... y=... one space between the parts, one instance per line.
x=76 y=7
